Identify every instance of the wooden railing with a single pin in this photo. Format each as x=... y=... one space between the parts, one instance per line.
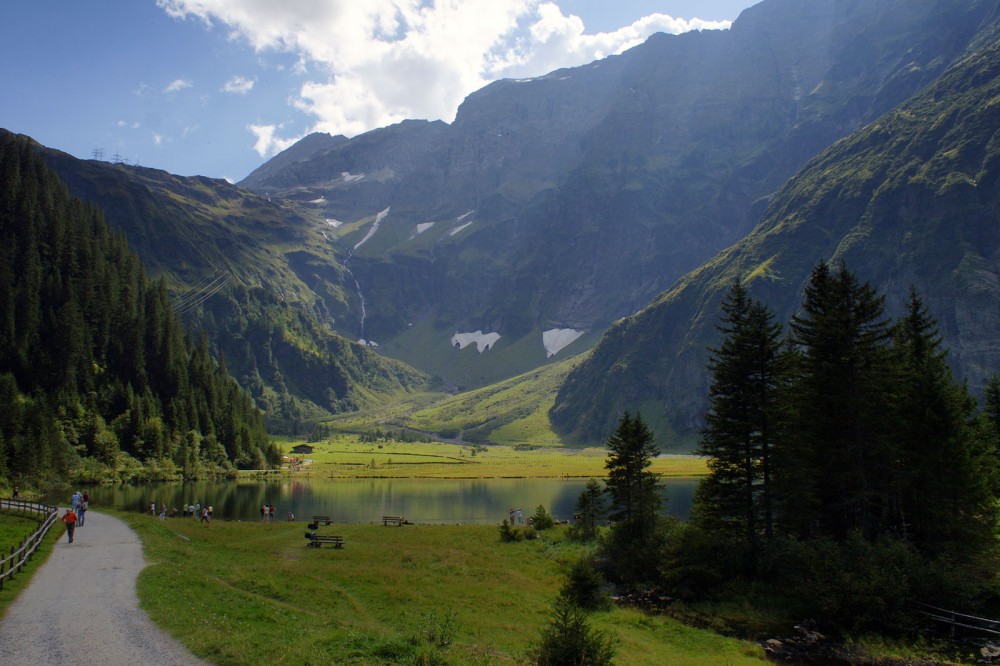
x=958 y=620
x=19 y=555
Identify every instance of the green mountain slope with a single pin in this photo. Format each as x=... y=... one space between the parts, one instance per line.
x=911 y=199
x=93 y=361
x=262 y=280
x=573 y=199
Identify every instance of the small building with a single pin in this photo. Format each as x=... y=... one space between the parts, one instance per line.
x=302 y=448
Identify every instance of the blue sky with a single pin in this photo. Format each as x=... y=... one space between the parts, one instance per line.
x=216 y=87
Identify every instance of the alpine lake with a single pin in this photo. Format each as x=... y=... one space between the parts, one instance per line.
x=366 y=500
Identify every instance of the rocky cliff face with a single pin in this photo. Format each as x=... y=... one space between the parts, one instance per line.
x=573 y=199
x=911 y=199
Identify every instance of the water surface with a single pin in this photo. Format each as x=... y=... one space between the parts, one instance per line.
x=434 y=501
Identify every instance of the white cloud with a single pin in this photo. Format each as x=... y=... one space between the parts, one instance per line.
x=267 y=143
x=239 y=85
x=376 y=62
x=177 y=84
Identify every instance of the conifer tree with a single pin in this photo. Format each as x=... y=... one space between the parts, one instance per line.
x=736 y=499
x=941 y=495
x=634 y=490
x=835 y=453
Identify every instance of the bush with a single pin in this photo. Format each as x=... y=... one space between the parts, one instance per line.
x=856 y=585
x=540 y=519
x=509 y=533
x=569 y=640
x=584 y=586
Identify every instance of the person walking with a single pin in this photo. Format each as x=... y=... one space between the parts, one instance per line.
x=81 y=512
x=205 y=518
x=74 y=501
x=70 y=519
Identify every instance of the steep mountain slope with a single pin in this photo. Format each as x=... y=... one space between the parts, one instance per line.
x=911 y=199
x=573 y=199
x=261 y=279
x=93 y=362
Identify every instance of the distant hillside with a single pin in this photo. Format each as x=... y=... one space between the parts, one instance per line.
x=94 y=364
x=573 y=199
x=260 y=279
x=911 y=199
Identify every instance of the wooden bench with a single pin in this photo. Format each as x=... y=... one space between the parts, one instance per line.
x=326 y=520
x=393 y=520
x=317 y=540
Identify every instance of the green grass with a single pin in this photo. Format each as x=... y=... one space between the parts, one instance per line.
x=348 y=456
x=241 y=593
x=15 y=526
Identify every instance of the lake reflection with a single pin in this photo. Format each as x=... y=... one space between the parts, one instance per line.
x=436 y=501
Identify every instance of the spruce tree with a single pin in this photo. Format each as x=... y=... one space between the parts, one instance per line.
x=941 y=497
x=835 y=455
x=633 y=548
x=736 y=499
x=634 y=490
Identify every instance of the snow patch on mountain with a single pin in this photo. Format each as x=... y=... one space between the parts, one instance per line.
x=321 y=200
x=421 y=228
x=483 y=341
x=371 y=232
x=555 y=339
x=458 y=229
x=349 y=177
x=332 y=222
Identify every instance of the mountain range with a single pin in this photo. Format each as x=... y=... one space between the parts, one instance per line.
x=606 y=206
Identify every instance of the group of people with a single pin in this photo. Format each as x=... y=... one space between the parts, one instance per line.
x=76 y=514
x=267 y=513
x=196 y=510
x=516 y=514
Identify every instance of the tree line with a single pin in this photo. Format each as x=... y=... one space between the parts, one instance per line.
x=851 y=476
x=97 y=374
x=845 y=456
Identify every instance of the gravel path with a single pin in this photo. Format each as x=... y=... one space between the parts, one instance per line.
x=81 y=606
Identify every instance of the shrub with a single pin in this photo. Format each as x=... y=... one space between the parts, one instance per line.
x=540 y=519
x=569 y=640
x=584 y=586
x=509 y=533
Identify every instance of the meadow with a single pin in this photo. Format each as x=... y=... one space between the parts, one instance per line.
x=242 y=593
x=344 y=455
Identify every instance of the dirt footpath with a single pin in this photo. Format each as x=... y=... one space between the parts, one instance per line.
x=81 y=606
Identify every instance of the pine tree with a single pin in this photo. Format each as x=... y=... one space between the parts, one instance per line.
x=633 y=547
x=835 y=454
x=589 y=510
x=736 y=498
x=941 y=496
x=634 y=490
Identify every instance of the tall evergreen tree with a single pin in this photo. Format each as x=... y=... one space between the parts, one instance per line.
x=835 y=455
x=589 y=510
x=941 y=497
x=633 y=548
x=634 y=490
x=736 y=498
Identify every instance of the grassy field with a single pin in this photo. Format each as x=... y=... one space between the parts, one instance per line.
x=348 y=456
x=14 y=527
x=247 y=593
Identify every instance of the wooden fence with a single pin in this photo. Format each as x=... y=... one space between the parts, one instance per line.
x=19 y=555
x=958 y=620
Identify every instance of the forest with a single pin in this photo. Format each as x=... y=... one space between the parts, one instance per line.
x=98 y=377
x=851 y=476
